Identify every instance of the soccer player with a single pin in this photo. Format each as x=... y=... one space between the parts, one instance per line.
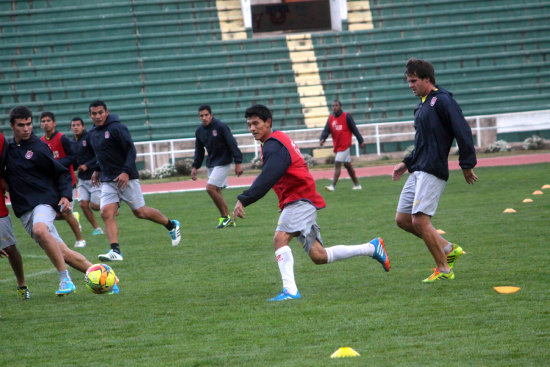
x=438 y=120
x=61 y=148
x=8 y=242
x=286 y=172
x=222 y=148
x=341 y=125
x=116 y=155
x=88 y=194
x=39 y=188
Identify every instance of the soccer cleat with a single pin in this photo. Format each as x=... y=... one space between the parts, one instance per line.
x=175 y=233
x=284 y=295
x=437 y=275
x=110 y=256
x=380 y=253
x=97 y=231
x=80 y=244
x=357 y=187
x=115 y=290
x=329 y=188
x=66 y=287
x=226 y=222
x=23 y=293
x=453 y=256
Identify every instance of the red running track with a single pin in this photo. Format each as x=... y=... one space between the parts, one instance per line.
x=245 y=180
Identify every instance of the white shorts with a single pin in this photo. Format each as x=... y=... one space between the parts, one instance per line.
x=343 y=156
x=88 y=192
x=40 y=214
x=299 y=218
x=132 y=195
x=7 y=238
x=421 y=194
x=217 y=176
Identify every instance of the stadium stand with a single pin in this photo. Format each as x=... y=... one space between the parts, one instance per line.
x=155 y=62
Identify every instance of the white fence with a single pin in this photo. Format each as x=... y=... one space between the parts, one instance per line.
x=484 y=128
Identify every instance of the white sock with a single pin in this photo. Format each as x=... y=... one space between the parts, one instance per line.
x=285 y=260
x=341 y=252
x=64 y=274
x=448 y=248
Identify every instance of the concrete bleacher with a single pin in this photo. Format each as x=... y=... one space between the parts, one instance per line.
x=155 y=62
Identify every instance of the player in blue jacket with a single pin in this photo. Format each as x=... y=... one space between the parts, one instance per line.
x=118 y=174
x=438 y=120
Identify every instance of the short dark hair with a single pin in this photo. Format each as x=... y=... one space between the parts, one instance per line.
x=97 y=103
x=259 y=110
x=421 y=68
x=78 y=119
x=47 y=114
x=205 y=107
x=337 y=101
x=20 y=112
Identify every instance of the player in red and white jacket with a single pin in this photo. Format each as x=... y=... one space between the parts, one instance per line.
x=341 y=126
x=285 y=170
x=61 y=147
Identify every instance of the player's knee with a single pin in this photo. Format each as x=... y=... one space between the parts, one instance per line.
x=40 y=230
x=401 y=222
x=319 y=257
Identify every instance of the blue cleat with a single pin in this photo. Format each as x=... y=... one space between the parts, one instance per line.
x=380 y=253
x=284 y=295
x=115 y=289
x=175 y=233
x=66 y=287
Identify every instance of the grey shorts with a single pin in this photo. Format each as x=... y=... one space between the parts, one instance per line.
x=132 y=195
x=40 y=214
x=421 y=194
x=7 y=238
x=299 y=218
x=217 y=176
x=88 y=192
x=343 y=156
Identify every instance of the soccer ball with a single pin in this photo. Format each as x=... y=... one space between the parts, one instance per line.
x=100 y=278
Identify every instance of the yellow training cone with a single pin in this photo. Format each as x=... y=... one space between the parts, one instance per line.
x=546 y=187
x=509 y=210
x=527 y=200
x=506 y=289
x=344 y=352
x=440 y=231
x=538 y=192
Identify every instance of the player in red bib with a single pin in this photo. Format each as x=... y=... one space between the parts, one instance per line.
x=286 y=172
x=341 y=126
x=61 y=148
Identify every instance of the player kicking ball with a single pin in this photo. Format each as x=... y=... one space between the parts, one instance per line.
x=286 y=172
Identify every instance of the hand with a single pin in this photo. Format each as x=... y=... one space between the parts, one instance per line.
x=238 y=169
x=194 y=174
x=363 y=144
x=95 y=178
x=321 y=142
x=65 y=205
x=122 y=181
x=83 y=168
x=469 y=175
x=239 y=210
x=398 y=171
x=3 y=253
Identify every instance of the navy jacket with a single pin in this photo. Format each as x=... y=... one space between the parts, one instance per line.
x=114 y=149
x=84 y=155
x=34 y=177
x=219 y=142
x=438 y=121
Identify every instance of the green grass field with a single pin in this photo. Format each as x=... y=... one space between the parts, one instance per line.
x=204 y=303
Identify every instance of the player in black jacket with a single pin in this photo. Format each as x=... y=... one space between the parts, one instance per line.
x=39 y=188
x=438 y=120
